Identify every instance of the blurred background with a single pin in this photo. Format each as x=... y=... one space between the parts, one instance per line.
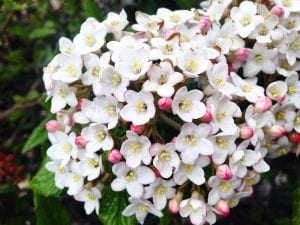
x=29 y=33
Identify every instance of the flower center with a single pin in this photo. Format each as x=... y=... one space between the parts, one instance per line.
x=96 y=71
x=247 y=88
x=116 y=80
x=150 y=24
x=294 y=45
x=175 y=17
x=285 y=65
x=219 y=81
x=136 y=67
x=136 y=147
x=161 y=190
x=93 y=163
x=291 y=24
x=291 y=90
x=297 y=120
x=188 y=168
x=259 y=58
x=62 y=93
x=164 y=155
x=111 y=110
x=250 y=181
x=275 y=92
x=222 y=143
x=162 y=79
x=67 y=148
x=115 y=23
x=140 y=107
x=225 y=186
x=169 y=48
x=233 y=202
x=191 y=139
x=185 y=105
x=245 y=21
x=75 y=178
x=90 y=197
x=221 y=116
x=281 y=151
x=263 y=31
x=191 y=65
x=90 y=40
x=100 y=135
x=287 y=3
x=131 y=176
x=280 y=115
x=60 y=170
x=71 y=70
x=143 y=208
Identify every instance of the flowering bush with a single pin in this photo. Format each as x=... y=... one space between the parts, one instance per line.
x=182 y=111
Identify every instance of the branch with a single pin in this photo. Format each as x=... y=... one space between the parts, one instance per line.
x=169 y=121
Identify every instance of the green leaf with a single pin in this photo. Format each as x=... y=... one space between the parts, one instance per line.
x=91 y=9
x=42 y=32
x=50 y=211
x=38 y=136
x=165 y=220
x=5 y=188
x=296 y=205
x=111 y=207
x=43 y=182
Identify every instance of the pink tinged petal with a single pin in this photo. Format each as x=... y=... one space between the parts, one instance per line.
x=108 y=143
x=133 y=159
x=89 y=207
x=251 y=158
x=219 y=156
x=206 y=147
x=196 y=218
x=237 y=155
x=166 y=170
x=251 y=68
x=146 y=157
x=268 y=67
x=129 y=210
x=261 y=167
x=72 y=100
x=189 y=156
x=145 y=175
x=203 y=161
x=141 y=216
x=93 y=146
x=135 y=189
x=174 y=160
x=57 y=104
x=213 y=196
x=120 y=169
x=180 y=177
x=80 y=117
x=160 y=201
x=118 y=184
x=197 y=176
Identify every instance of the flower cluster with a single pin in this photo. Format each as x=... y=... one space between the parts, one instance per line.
x=190 y=104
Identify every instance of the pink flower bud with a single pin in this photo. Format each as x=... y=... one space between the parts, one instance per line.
x=80 y=141
x=263 y=104
x=277 y=131
x=80 y=102
x=246 y=132
x=241 y=54
x=165 y=103
x=170 y=33
x=173 y=206
x=114 y=156
x=53 y=126
x=156 y=171
x=204 y=24
x=138 y=129
x=207 y=116
x=224 y=172
x=277 y=11
x=223 y=208
x=173 y=140
x=231 y=68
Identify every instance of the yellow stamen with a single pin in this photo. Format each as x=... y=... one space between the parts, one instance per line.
x=136 y=147
x=225 y=186
x=100 y=135
x=185 y=105
x=191 y=139
x=164 y=155
x=140 y=107
x=131 y=176
x=67 y=148
x=222 y=143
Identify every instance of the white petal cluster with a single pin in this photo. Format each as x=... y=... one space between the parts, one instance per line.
x=182 y=95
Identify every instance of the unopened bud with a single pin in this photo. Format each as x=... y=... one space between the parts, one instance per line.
x=277 y=131
x=80 y=141
x=165 y=103
x=246 y=132
x=294 y=137
x=114 y=156
x=223 y=208
x=224 y=172
x=53 y=126
x=207 y=116
x=138 y=129
x=277 y=11
x=80 y=102
x=263 y=104
x=241 y=54
x=173 y=206
x=204 y=24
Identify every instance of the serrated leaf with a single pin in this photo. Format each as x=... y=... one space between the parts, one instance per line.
x=38 y=136
x=43 y=182
x=296 y=205
x=91 y=9
x=50 y=211
x=111 y=207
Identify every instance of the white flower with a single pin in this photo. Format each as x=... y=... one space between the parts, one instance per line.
x=136 y=149
x=223 y=111
x=91 y=165
x=59 y=171
x=279 y=147
x=74 y=179
x=116 y=22
x=290 y=23
x=131 y=179
x=221 y=189
x=290 y=46
x=162 y=79
x=193 y=172
x=160 y=190
x=69 y=68
x=90 y=38
x=111 y=82
x=63 y=148
x=146 y=23
x=297 y=122
x=293 y=93
x=65 y=46
x=173 y=18
x=193 y=63
x=223 y=145
x=218 y=77
x=187 y=104
x=51 y=68
x=285 y=69
x=192 y=141
x=165 y=158
x=288 y=6
x=140 y=208
x=90 y=197
x=277 y=90
x=245 y=18
x=260 y=59
x=97 y=138
x=247 y=88
x=134 y=64
x=207 y=43
x=195 y=208
x=140 y=107
x=265 y=31
x=62 y=95
x=94 y=66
